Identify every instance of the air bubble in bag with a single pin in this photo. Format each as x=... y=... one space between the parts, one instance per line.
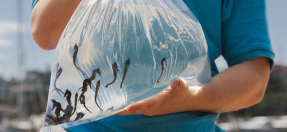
x=114 y=53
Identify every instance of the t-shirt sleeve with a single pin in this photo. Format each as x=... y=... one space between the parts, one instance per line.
x=34 y=3
x=244 y=32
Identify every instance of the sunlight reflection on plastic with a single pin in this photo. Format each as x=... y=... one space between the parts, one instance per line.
x=117 y=52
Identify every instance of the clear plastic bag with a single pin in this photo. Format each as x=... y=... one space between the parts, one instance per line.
x=117 y=52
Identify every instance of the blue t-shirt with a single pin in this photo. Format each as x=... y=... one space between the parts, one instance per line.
x=235 y=29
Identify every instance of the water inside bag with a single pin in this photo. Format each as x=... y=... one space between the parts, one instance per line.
x=113 y=54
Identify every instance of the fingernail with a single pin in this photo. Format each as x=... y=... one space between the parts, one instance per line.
x=131 y=109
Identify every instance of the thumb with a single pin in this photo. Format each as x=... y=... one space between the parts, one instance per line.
x=178 y=85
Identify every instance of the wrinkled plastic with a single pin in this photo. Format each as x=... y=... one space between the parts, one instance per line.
x=114 y=53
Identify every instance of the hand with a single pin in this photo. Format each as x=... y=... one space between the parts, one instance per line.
x=172 y=100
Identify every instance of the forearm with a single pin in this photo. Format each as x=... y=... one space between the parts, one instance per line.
x=48 y=20
x=240 y=86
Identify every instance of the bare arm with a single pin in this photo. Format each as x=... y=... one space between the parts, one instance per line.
x=238 y=87
x=49 y=18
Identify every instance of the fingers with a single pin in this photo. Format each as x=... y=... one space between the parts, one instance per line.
x=176 y=83
x=141 y=107
x=149 y=107
x=177 y=86
x=159 y=104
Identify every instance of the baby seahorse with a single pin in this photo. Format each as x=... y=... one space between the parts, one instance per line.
x=94 y=74
x=76 y=48
x=80 y=115
x=115 y=69
x=58 y=107
x=68 y=94
x=86 y=83
x=83 y=102
x=59 y=72
x=75 y=106
x=96 y=94
x=127 y=65
x=162 y=68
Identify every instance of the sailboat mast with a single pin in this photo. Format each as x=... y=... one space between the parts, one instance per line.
x=21 y=60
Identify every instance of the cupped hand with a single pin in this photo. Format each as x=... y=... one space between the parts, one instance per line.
x=172 y=100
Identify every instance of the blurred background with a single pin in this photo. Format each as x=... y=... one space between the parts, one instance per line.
x=25 y=75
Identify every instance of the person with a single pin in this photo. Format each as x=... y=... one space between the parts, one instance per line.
x=235 y=29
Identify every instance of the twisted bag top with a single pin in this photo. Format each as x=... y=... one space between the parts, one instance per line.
x=116 y=52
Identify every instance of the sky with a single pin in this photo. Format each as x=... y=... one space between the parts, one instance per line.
x=38 y=59
x=34 y=57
